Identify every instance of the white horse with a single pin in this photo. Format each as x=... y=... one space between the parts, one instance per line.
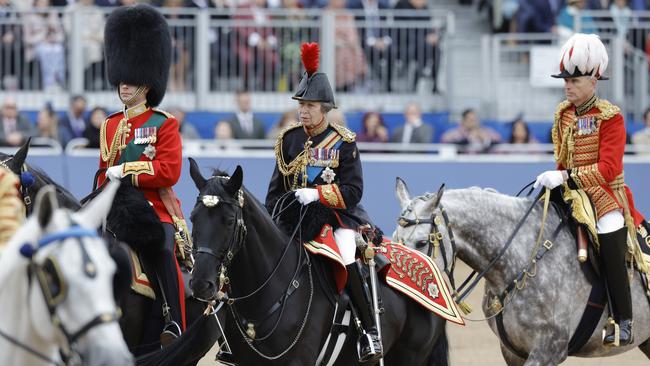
x=541 y=318
x=56 y=289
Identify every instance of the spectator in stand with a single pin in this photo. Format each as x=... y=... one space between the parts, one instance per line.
x=538 y=16
x=642 y=137
x=43 y=39
x=256 y=45
x=294 y=34
x=566 y=19
x=288 y=118
x=244 y=124
x=316 y=4
x=92 y=21
x=97 y=117
x=521 y=141
x=413 y=130
x=10 y=44
x=14 y=128
x=47 y=123
x=223 y=131
x=470 y=135
x=373 y=128
x=188 y=131
x=621 y=16
x=349 y=57
x=74 y=122
x=376 y=41
x=421 y=46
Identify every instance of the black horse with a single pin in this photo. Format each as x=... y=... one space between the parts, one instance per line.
x=233 y=229
x=140 y=315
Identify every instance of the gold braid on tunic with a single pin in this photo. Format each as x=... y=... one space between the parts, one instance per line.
x=297 y=165
x=109 y=151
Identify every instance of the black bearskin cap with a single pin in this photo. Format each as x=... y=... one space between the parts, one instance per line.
x=138 y=49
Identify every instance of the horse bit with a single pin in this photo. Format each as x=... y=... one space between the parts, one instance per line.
x=54 y=290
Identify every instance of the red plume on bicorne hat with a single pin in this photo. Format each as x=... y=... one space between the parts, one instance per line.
x=309 y=53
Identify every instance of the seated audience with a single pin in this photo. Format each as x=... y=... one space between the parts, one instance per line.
x=373 y=128
x=643 y=137
x=97 y=117
x=288 y=118
x=413 y=130
x=470 y=135
x=14 y=128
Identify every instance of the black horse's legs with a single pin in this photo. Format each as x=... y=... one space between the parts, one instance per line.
x=645 y=348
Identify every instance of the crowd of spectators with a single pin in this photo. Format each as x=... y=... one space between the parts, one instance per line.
x=258 y=55
x=470 y=136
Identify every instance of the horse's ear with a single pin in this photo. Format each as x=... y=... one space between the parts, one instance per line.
x=16 y=163
x=235 y=181
x=195 y=173
x=93 y=214
x=402 y=193
x=45 y=204
x=436 y=200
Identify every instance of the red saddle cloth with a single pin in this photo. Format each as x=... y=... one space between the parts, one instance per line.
x=410 y=272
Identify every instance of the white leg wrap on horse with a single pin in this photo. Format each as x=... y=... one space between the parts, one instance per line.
x=347 y=246
x=610 y=222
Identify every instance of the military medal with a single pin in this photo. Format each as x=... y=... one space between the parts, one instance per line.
x=325 y=157
x=328 y=175
x=145 y=135
x=586 y=125
x=149 y=151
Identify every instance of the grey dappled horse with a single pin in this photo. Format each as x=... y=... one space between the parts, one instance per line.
x=541 y=318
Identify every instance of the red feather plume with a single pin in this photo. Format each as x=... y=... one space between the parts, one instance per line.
x=309 y=53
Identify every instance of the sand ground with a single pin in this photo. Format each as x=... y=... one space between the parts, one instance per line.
x=475 y=344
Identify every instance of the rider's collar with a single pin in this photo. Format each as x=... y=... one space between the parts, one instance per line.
x=136 y=110
x=318 y=129
x=586 y=106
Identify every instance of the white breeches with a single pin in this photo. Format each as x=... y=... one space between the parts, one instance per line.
x=347 y=245
x=610 y=222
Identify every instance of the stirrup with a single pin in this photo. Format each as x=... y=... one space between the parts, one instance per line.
x=225 y=358
x=621 y=334
x=368 y=348
x=170 y=332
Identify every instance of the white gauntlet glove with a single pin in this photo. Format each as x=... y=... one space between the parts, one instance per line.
x=549 y=179
x=307 y=195
x=115 y=172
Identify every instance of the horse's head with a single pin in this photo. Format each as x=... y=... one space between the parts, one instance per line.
x=218 y=228
x=33 y=180
x=70 y=298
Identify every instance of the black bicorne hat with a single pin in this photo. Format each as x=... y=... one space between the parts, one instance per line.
x=138 y=49
x=314 y=86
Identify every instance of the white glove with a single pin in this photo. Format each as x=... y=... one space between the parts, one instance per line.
x=549 y=179
x=115 y=172
x=307 y=195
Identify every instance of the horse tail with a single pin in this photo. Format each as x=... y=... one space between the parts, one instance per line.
x=439 y=355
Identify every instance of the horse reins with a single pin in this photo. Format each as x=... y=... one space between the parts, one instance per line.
x=53 y=301
x=435 y=238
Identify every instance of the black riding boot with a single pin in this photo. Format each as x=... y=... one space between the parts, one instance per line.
x=370 y=348
x=168 y=276
x=613 y=247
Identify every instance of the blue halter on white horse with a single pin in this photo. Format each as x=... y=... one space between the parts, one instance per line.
x=56 y=289
x=541 y=312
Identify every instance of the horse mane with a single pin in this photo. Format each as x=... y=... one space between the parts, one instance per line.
x=67 y=198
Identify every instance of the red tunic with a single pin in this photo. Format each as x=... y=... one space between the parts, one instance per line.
x=147 y=174
x=591 y=146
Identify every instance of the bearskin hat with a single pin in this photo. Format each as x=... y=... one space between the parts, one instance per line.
x=138 y=49
x=314 y=86
x=583 y=55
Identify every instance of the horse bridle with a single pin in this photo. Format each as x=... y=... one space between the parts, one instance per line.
x=237 y=238
x=435 y=239
x=54 y=290
x=24 y=190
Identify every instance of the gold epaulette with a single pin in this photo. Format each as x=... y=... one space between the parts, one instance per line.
x=347 y=135
x=563 y=106
x=607 y=109
x=165 y=113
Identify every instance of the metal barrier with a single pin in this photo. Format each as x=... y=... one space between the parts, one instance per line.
x=226 y=50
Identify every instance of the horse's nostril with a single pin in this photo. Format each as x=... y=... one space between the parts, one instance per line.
x=200 y=286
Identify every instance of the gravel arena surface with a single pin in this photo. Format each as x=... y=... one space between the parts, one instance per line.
x=475 y=344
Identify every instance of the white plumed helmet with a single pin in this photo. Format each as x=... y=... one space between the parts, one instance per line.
x=583 y=55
